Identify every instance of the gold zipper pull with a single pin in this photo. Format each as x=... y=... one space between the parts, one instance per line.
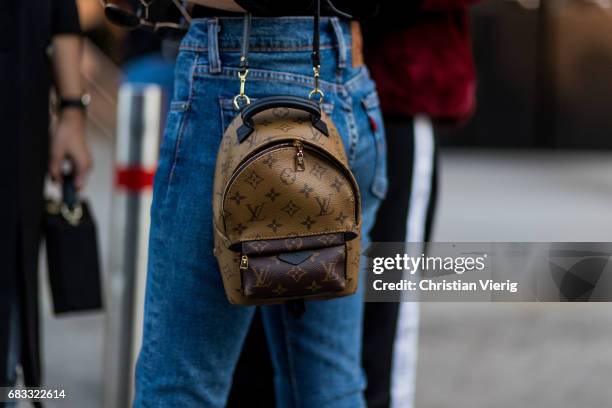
x=299 y=157
x=244 y=262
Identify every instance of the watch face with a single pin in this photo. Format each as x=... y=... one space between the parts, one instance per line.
x=86 y=99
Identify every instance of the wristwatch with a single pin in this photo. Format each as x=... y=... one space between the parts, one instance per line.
x=79 y=103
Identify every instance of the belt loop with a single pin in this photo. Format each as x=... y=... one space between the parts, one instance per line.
x=341 y=41
x=214 y=63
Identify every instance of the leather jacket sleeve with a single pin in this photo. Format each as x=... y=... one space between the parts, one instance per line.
x=65 y=18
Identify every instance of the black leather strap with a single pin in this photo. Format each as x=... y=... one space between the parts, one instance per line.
x=316 y=56
x=69 y=192
x=246 y=33
x=280 y=101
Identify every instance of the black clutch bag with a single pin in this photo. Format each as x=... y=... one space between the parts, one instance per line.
x=72 y=253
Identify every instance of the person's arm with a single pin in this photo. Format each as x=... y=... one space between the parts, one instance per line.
x=69 y=140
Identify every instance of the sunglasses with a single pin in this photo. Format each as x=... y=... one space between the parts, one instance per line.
x=140 y=19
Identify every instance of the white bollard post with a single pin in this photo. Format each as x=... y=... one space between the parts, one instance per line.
x=136 y=155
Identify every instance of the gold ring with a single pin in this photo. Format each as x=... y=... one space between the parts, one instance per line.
x=246 y=99
x=317 y=91
x=73 y=217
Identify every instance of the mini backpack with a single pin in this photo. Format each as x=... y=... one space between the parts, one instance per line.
x=286 y=207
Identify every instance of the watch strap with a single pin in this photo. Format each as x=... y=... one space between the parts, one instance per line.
x=79 y=103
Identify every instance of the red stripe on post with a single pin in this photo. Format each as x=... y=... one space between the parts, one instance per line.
x=134 y=178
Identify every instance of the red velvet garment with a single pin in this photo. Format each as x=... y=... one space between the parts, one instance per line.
x=427 y=67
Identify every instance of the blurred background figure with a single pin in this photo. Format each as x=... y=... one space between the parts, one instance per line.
x=424 y=72
x=39 y=45
x=144 y=59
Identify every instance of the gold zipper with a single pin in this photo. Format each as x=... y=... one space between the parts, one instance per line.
x=244 y=262
x=299 y=156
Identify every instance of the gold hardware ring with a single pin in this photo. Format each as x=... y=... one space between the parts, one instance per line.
x=73 y=217
x=243 y=98
x=318 y=92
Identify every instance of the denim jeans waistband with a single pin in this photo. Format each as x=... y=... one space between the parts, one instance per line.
x=268 y=34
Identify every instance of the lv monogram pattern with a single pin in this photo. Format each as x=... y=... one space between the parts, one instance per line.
x=272 y=201
x=271 y=210
x=295 y=266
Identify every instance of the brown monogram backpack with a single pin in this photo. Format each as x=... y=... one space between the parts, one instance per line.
x=286 y=205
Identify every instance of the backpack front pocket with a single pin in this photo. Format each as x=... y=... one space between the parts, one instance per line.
x=290 y=267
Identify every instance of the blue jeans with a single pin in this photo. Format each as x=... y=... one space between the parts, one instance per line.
x=192 y=334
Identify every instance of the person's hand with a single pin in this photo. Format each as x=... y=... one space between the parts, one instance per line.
x=69 y=142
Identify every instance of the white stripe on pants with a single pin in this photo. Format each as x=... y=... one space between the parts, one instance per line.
x=405 y=350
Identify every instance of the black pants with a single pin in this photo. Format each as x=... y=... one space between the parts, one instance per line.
x=406 y=214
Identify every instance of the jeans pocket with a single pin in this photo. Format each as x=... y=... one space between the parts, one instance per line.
x=171 y=143
x=371 y=105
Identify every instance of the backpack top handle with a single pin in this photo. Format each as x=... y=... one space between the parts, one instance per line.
x=280 y=101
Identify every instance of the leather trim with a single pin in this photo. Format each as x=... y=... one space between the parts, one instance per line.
x=279 y=101
x=275 y=246
x=295 y=258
